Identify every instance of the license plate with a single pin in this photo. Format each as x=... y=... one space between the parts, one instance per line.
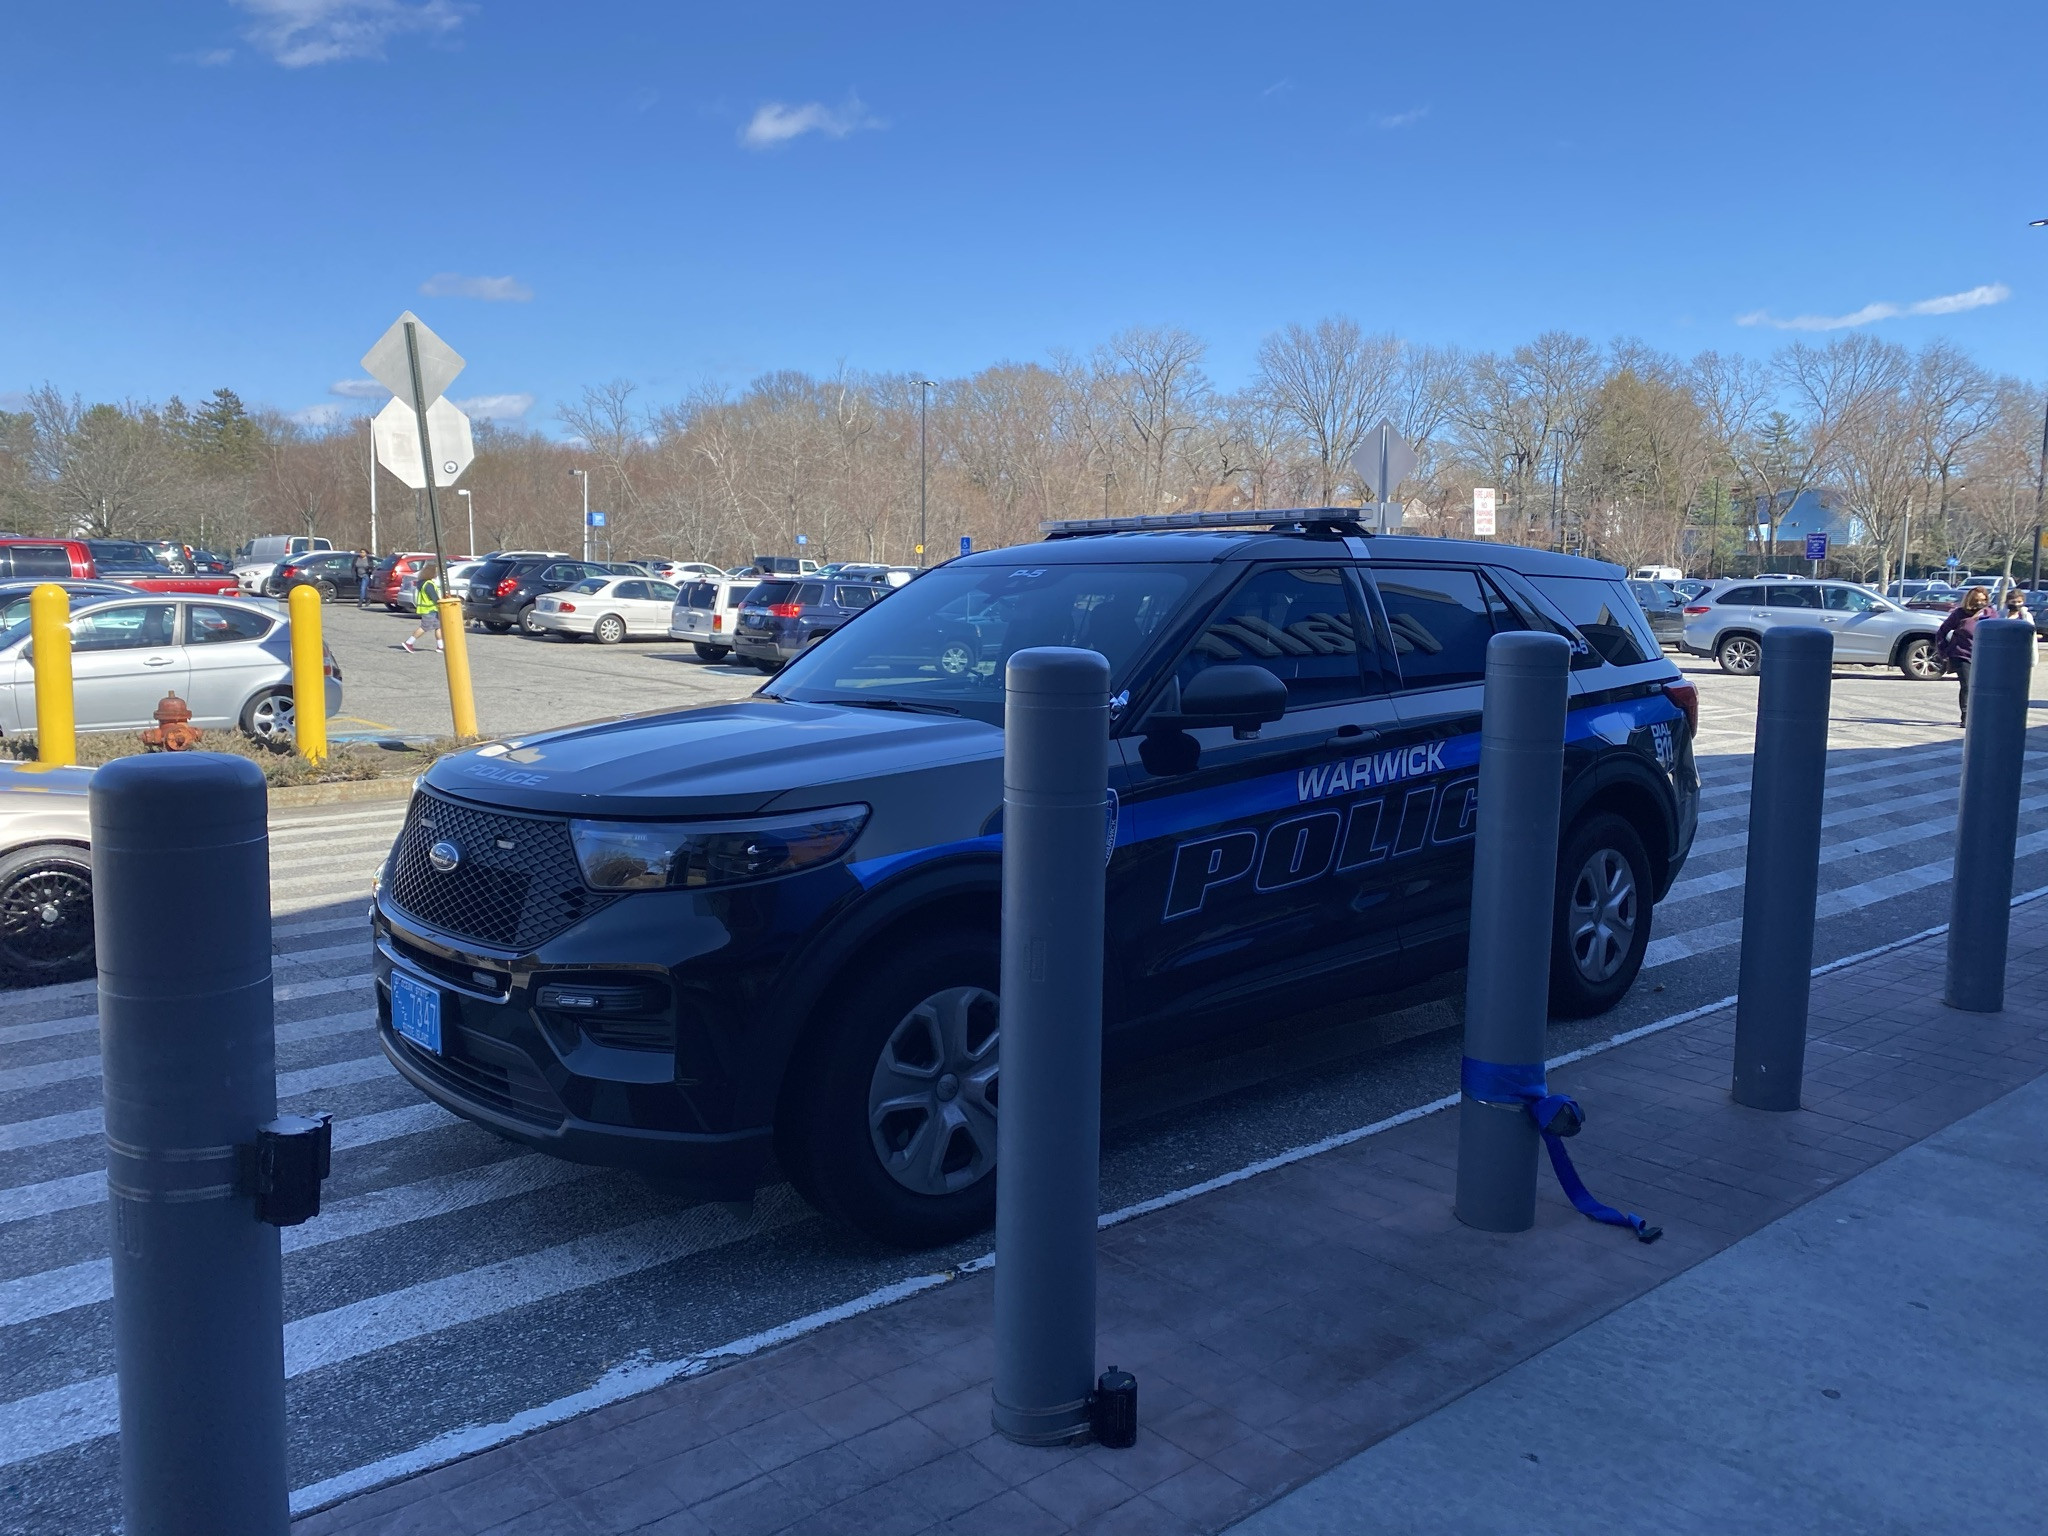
x=416 y=1012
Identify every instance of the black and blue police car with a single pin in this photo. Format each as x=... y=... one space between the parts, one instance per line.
x=709 y=941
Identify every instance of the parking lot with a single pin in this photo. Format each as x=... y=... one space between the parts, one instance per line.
x=521 y=684
x=456 y=1287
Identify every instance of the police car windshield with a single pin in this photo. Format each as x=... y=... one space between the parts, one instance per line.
x=945 y=638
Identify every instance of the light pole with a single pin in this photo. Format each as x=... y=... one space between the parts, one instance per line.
x=469 y=505
x=924 y=395
x=2040 y=471
x=584 y=476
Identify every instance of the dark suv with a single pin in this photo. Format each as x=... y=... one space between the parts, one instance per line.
x=784 y=617
x=501 y=592
x=706 y=941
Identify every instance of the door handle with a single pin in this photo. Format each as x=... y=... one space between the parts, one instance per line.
x=158 y=661
x=1352 y=736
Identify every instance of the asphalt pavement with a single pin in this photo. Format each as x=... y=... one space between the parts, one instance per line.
x=520 y=683
x=455 y=1287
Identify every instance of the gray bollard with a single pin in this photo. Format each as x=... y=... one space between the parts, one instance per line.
x=1787 y=783
x=1048 y=1137
x=1514 y=878
x=1988 y=818
x=181 y=904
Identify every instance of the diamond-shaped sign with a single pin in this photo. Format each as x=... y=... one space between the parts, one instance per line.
x=395 y=430
x=387 y=363
x=1382 y=461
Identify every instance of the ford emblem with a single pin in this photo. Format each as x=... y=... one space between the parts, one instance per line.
x=444 y=856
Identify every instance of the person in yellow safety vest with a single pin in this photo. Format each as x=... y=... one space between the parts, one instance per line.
x=426 y=604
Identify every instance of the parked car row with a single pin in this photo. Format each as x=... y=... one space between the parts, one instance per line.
x=131 y=563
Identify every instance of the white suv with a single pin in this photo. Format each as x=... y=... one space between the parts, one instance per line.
x=707 y=611
x=1728 y=621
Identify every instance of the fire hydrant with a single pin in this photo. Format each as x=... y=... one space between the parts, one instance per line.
x=174 y=731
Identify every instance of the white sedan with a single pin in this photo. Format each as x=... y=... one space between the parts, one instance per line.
x=607 y=609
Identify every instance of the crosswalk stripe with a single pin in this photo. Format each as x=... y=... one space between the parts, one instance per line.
x=82 y=1023
x=23 y=1202
x=82 y=1411
x=1850 y=898
x=90 y=1282
x=1831 y=853
x=87 y=1122
x=1946 y=772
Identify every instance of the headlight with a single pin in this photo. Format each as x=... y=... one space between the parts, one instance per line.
x=671 y=855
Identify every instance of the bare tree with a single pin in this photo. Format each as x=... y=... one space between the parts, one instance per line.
x=1333 y=384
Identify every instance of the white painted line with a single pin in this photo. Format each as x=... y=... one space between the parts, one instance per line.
x=1848 y=848
x=635 y=1377
x=1950 y=772
x=1850 y=898
x=88 y=1122
x=24 y=1201
x=91 y=1281
x=51 y=1421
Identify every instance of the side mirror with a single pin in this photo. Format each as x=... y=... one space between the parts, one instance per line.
x=1241 y=697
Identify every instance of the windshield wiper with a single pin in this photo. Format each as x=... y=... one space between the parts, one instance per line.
x=907 y=706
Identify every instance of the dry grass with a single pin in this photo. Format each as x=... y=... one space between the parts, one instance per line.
x=348 y=762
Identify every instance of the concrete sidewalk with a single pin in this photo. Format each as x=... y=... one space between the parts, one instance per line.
x=1875 y=1361
x=1283 y=1325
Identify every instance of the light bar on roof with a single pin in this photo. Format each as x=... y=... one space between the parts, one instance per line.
x=1166 y=522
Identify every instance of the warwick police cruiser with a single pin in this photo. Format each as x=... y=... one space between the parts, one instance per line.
x=708 y=941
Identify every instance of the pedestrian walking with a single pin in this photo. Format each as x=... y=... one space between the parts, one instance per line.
x=426 y=604
x=363 y=565
x=1953 y=640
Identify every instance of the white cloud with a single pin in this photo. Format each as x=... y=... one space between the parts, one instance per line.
x=776 y=122
x=297 y=33
x=497 y=407
x=320 y=415
x=1406 y=119
x=1941 y=304
x=495 y=290
x=358 y=389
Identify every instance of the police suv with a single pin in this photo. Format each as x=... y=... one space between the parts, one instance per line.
x=701 y=941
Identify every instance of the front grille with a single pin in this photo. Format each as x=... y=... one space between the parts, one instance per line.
x=516 y=885
x=517 y=1092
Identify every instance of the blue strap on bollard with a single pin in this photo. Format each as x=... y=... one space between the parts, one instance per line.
x=1557 y=1116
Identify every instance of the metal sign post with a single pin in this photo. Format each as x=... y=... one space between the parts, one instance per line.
x=1381 y=463
x=429 y=367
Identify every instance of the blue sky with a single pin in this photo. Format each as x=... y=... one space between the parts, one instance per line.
x=248 y=191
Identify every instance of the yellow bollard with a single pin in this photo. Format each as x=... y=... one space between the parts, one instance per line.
x=309 y=675
x=49 y=608
x=455 y=648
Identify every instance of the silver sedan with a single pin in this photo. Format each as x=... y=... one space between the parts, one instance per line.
x=228 y=658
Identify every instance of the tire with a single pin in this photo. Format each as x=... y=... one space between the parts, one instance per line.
x=526 y=621
x=1919 y=661
x=956 y=658
x=325 y=589
x=497 y=628
x=1740 y=655
x=869 y=1129
x=770 y=667
x=46 y=914
x=1600 y=927
x=268 y=717
x=708 y=652
x=609 y=630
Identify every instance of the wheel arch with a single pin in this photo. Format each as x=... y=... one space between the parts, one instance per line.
x=1899 y=645
x=1629 y=792
x=962 y=893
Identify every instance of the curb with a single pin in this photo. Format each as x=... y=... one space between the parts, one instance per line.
x=340 y=794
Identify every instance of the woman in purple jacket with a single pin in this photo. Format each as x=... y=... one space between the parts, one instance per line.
x=1957 y=634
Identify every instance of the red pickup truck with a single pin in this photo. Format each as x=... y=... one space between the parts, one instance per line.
x=121 y=560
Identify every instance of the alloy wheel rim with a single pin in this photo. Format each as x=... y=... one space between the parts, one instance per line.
x=1742 y=655
x=954 y=660
x=1603 y=915
x=273 y=716
x=932 y=1096
x=46 y=916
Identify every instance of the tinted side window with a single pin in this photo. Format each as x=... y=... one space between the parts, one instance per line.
x=773 y=592
x=563 y=573
x=1789 y=596
x=629 y=591
x=206 y=624
x=698 y=594
x=811 y=592
x=735 y=596
x=131 y=627
x=1742 y=597
x=1441 y=621
x=853 y=597
x=1604 y=612
x=1848 y=599
x=1298 y=624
